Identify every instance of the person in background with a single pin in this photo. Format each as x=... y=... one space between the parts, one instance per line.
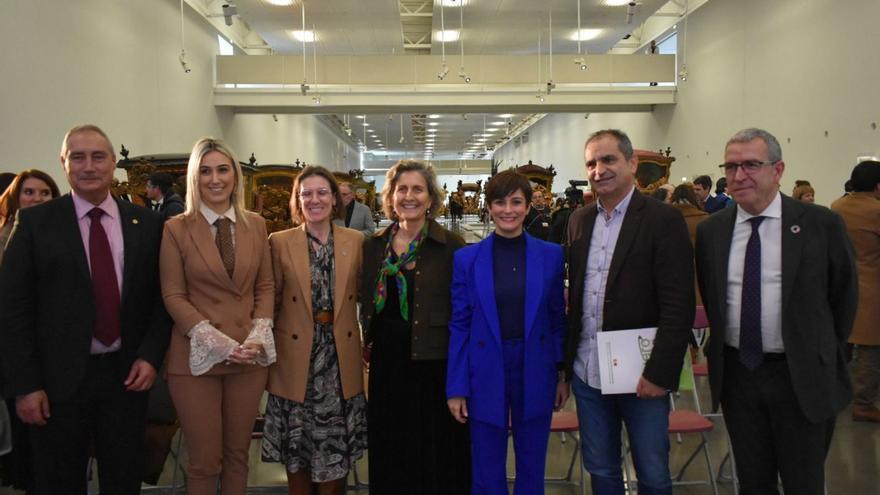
x=804 y=193
x=218 y=287
x=316 y=415
x=6 y=178
x=703 y=190
x=355 y=215
x=162 y=198
x=860 y=210
x=722 y=199
x=83 y=324
x=29 y=188
x=779 y=285
x=663 y=193
x=415 y=444
x=537 y=222
x=630 y=266
x=685 y=200
x=505 y=345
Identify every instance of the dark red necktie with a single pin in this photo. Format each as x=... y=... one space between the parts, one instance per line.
x=104 y=284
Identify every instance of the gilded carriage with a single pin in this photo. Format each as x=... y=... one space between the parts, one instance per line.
x=540 y=176
x=267 y=187
x=468 y=196
x=653 y=169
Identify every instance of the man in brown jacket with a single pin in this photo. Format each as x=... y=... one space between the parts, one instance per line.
x=861 y=213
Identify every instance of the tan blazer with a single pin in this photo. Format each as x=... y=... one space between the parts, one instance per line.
x=861 y=213
x=294 y=321
x=196 y=287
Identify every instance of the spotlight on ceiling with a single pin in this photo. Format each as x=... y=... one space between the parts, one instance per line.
x=228 y=12
x=304 y=88
x=580 y=62
x=401 y=140
x=683 y=73
x=550 y=86
x=275 y=117
x=444 y=70
x=462 y=74
x=317 y=99
x=630 y=12
x=540 y=97
x=183 y=63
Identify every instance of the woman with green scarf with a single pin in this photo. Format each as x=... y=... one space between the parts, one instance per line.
x=415 y=446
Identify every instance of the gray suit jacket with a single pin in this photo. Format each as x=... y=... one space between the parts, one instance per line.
x=819 y=297
x=361 y=220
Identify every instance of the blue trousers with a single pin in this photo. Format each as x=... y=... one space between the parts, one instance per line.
x=647 y=422
x=489 y=442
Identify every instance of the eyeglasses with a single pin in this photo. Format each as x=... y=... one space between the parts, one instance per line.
x=307 y=194
x=748 y=166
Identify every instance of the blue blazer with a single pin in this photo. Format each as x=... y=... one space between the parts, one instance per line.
x=476 y=362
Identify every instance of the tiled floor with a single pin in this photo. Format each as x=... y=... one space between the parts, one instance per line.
x=853 y=465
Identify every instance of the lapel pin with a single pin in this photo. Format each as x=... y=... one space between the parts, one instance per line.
x=134 y=221
x=795 y=229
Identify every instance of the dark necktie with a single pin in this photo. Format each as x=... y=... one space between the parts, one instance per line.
x=751 y=349
x=224 y=243
x=105 y=286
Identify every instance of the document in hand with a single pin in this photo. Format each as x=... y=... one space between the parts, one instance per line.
x=622 y=358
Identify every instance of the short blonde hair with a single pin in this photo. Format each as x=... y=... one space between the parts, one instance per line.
x=393 y=175
x=202 y=147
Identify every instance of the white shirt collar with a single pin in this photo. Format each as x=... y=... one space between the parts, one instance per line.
x=211 y=216
x=773 y=210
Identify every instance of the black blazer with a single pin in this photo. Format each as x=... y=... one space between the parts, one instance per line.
x=47 y=310
x=431 y=300
x=650 y=283
x=819 y=299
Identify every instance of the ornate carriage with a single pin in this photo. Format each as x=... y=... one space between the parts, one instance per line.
x=267 y=187
x=653 y=169
x=541 y=176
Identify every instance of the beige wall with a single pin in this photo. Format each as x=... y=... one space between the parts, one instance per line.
x=115 y=63
x=795 y=67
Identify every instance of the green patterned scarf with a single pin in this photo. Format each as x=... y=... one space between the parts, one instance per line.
x=393 y=268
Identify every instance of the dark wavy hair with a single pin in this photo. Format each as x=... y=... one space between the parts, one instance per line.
x=9 y=204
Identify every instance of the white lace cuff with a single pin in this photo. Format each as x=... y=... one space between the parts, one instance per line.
x=207 y=347
x=262 y=334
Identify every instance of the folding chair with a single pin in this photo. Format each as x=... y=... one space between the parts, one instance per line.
x=690 y=421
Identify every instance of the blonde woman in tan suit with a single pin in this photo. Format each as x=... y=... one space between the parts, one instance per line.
x=217 y=284
x=316 y=420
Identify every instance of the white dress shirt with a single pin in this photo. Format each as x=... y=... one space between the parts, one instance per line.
x=606 y=230
x=211 y=216
x=770 y=231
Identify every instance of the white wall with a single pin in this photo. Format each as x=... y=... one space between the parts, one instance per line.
x=115 y=63
x=797 y=68
x=109 y=62
x=293 y=136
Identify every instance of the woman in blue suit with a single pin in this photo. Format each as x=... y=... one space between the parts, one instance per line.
x=505 y=344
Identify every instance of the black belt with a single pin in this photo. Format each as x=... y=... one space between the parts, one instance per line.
x=104 y=355
x=769 y=357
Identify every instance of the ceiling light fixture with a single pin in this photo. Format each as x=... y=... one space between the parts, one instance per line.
x=402 y=139
x=616 y=3
x=303 y=36
x=182 y=56
x=443 y=35
x=461 y=72
x=317 y=99
x=506 y=115
x=630 y=12
x=434 y=116
x=228 y=12
x=683 y=72
x=586 y=34
x=280 y=3
x=448 y=35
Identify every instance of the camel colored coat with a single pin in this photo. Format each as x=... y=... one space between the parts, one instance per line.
x=196 y=287
x=861 y=214
x=294 y=321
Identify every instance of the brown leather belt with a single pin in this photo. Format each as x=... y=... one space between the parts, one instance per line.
x=323 y=317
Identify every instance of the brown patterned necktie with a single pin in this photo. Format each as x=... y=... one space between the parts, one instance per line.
x=224 y=243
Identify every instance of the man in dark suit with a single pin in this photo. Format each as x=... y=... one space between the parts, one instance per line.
x=779 y=284
x=84 y=328
x=162 y=198
x=630 y=266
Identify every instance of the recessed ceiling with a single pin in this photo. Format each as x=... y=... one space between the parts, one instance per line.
x=383 y=27
x=436 y=136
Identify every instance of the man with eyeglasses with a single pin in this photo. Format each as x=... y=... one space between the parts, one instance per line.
x=779 y=285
